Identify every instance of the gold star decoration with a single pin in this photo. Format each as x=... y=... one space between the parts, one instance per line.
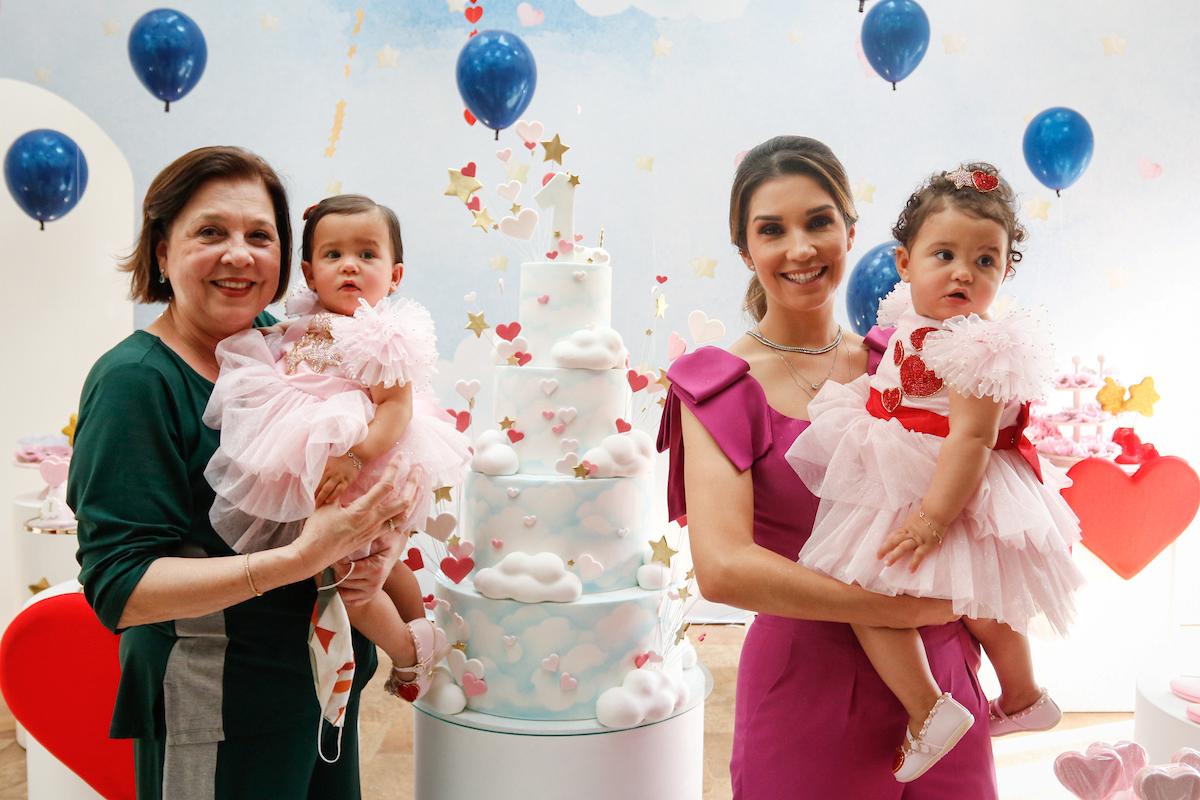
x=1113 y=45
x=111 y=28
x=517 y=171
x=507 y=423
x=684 y=593
x=1111 y=396
x=483 y=220
x=660 y=306
x=40 y=586
x=571 y=563
x=581 y=471
x=663 y=380
x=461 y=186
x=952 y=43
x=1142 y=398
x=682 y=632
x=441 y=493
x=661 y=47
x=691 y=574
x=476 y=324
x=460 y=646
x=453 y=541
x=333 y=187
x=644 y=163
x=864 y=192
x=573 y=180
x=662 y=402
x=514 y=209
x=498 y=263
x=704 y=267
x=69 y=429
x=513 y=361
x=1037 y=208
x=555 y=149
x=662 y=552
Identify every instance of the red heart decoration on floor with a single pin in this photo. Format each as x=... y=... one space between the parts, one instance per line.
x=469 y=169
x=473 y=14
x=515 y=435
x=1127 y=520
x=917 y=337
x=623 y=426
x=983 y=181
x=508 y=331
x=59 y=671
x=660 y=278
x=457 y=568
x=637 y=381
x=898 y=352
x=916 y=380
x=413 y=560
x=473 y=204
x=468 y=116
x=891 y=399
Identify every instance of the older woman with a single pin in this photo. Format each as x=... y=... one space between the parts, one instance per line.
x=216 y=686
x=812 y=719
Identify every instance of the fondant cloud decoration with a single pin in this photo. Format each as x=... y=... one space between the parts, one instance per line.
x=623 y=455
x=529 y=578
x=646 y=695
x=590 y=348
x=494 y=455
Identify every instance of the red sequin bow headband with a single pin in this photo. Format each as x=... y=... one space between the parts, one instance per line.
x=309 y=210
x=978 y=179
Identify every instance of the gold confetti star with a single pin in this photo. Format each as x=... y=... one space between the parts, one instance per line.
x=1111 y=396
x=476 y=324
x=663 y=380
x=581 y=470
x=483 y=220
x=498 y=263
x=507 y=423
x=1142 y=398
x=660 y=306
x=573 y=180
x=441 y=493
x=704 y=267
x=335 y=132
x=795 y=37
x=1037 y=208
x=517 y=172
x=661 y=47
x=461 y=186
x=40 y=586
x=952 y=43
x=453 y=541
x=333 y=187
x=864 y=192
x=662 y=552
x=684 y=593
x=388 y=56
x=691 y=574
x=268 y=22
x=555 y=149
x=644 y=163
x=514 y=209
x=1113 y=45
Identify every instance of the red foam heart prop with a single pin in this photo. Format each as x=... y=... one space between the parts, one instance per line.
x=428 y=601
x=508 y=331
x=1127 y=520
x=473 y=14
x=917 y=337
x=623 y=426
x=515 y=435
x=469 y=169
x=59 y=671
x=983 y=181
x=468 y=116
x=413 y=560
x=462 y=421
x=457 y=568
x=473 y=204
x=916 y=380
x=637 y=381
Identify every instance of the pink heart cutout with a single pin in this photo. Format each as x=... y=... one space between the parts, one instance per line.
x=559 y=428
x=640 y=660
x=567 y=683
x=543 y=299
x=547 y=414
x=472 y=686
x=505 y=154
x=497 y=544
x=54 y=470
x=1170 y=782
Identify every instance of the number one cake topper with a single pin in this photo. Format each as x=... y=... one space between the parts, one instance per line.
x=559 y=194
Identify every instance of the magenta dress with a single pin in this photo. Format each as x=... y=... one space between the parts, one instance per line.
x=813 y=720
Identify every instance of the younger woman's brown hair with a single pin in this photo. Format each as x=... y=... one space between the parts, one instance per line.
x=173 y=188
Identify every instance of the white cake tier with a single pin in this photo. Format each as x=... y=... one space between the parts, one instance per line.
x=558 y=299
x=548 y=661
x=605 y=519
x=559 y=411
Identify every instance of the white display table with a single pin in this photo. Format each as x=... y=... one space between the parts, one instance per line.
x=478 y=755
x=1160 y=722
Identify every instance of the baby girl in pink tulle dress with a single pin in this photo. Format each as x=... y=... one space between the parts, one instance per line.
x=928 y=485
x=313 y=410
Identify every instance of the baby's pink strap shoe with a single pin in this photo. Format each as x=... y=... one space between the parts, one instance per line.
x=431 y=645
x=1187 y=687
x=948 y=721
x=1041 y=716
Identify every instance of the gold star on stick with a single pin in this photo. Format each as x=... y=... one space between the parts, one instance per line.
x=1037 y=208
x=660 y=306
x=691 y=574
x=507 y=423
x=1142 y=398
x=573 y=180
x=515 y=209
x=453 y=541
x=1111 y=396
x=40 y=586
x=704 y=267
x=69 y=429
x=461 y=186
x=662 y=552
x=483 y=220
x=682 y=632
x=476 y=324
x=581 y=471
x=555 y=149
x=441 y=493
x=684 y=593
x=663 y=380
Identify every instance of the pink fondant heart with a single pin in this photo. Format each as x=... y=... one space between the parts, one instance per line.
x=508 y=330
x=550 y=663
x=543 y=299
x=551 y=254
x=579 y=237
x=567 y=683
x=461 y=549
x=497 y=544
x=522 y=358
x=660 y=278
x=472 y=686
x=1089 y=777
x=54 y=470
x=592 y=469
x=547 y=414
x=429 y=601
x=1170 y=782
x=559 y=428
x=530 y=145
x=640 y=660
x=457 y=568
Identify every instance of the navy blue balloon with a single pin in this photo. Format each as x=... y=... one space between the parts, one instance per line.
x=1058 y=147
x=168 y=53
x=46 y=173
x=895 y=36
x=872 y=277
x=496 y=78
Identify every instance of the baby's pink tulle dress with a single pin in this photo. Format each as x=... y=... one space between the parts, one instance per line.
x=872 y=447
x=285 y=403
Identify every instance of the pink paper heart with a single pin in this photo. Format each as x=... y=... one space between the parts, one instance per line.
x=550 y=663
x=1170 y=782
x=565 y=246
x=676 y=346
x=547 y=414
x=579 y=237
x=1133 y=759
x=559 y=428
x=54 y=470
x=472 y=686
x=1087 y=777
x=567 y=683
x=505 y=154
x=543 y=299
x=497 y=544
x=530 y=16
x=461 y=549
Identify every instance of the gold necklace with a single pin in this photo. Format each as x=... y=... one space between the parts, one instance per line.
x=807 y=386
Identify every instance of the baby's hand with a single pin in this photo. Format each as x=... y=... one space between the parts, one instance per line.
x=340 y=472
x=916 y=537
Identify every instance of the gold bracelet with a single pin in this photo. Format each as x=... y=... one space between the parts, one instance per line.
x=355 y=460
x=249 y=578
x=936 y=534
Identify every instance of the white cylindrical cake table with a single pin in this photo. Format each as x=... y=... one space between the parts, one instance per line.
x=474 y=755
x=1160 y=722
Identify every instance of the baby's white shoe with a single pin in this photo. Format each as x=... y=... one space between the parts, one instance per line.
x=947 y=722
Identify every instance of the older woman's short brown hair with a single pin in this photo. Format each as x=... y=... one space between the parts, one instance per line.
x=170 y=192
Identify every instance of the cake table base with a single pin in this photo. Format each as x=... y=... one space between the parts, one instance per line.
x=477 y=756
x=1160 y=722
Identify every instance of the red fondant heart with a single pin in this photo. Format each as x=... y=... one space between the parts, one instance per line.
x=891 y=398
x=551 y=254
x=468 y=116
x=549 y=176
x=917 y=337
x=473 y=204
x=983 y=181
x=429 y=602
x=457 y=568
x=660 y=278
x=59 y=672
x=473 y=14
x=515 y=435
x=413 y=560
x=916 y=380
x=898 y=353
x=508 y=331
x=637 y=381
x=522 y=358
x=469 y=169
x=1127 y=520
x=462 y=421
x=623 y=426
x=640 y=659
x=530 y=146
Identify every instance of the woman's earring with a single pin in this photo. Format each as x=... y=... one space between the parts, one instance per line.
x=162 y=277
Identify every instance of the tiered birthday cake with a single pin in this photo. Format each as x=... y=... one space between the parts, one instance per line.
x=553 y=597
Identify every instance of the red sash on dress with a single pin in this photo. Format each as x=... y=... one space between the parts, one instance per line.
x=923 y=421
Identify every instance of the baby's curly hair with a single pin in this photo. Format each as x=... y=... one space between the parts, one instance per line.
x=938 y=192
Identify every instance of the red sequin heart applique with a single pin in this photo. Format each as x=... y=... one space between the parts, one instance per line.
x=917 y=337
x=898 y=353
x=409 y=691
x=983 y=181
x=917 y=380
x=891 y=399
